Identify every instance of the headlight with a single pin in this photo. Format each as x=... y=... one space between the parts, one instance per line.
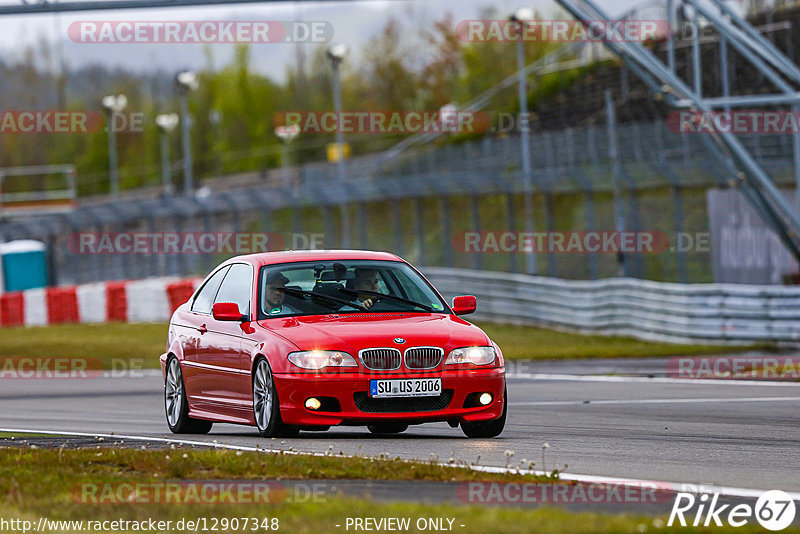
x=473 y=355
x=319 y=359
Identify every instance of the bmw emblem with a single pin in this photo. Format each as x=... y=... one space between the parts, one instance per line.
x=399 y=340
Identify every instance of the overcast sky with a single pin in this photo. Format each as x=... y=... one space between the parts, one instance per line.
x=352 y=22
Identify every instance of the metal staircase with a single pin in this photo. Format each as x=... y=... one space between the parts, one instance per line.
x=739 y=168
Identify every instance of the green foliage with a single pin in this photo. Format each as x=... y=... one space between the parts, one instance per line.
x=402 y=67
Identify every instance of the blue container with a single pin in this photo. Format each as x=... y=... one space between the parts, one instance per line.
x=24 y=265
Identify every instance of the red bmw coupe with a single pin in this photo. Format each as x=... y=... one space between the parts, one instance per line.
x=290 y=341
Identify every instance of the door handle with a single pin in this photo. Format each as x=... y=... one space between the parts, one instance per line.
x=203 y=329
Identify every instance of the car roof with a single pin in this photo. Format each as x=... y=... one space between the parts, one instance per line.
x=290 y=256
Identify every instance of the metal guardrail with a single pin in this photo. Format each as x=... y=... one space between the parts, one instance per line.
x=652 y=311
x=36 y=202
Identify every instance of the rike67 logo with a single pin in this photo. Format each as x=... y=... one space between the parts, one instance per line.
x=774 y=510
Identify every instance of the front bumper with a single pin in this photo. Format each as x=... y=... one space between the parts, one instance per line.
x=294 y=389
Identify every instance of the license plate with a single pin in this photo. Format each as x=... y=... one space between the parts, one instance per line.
x=406 y=387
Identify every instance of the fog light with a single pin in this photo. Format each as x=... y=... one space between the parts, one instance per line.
x=313 y=404
x=484 y=399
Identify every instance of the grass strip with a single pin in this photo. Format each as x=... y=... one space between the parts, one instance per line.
x=17 y=435
x=123 y=346
x=42 y=483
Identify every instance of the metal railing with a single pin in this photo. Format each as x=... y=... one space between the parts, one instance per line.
x=656 y=161
x=46 y=196
x=653 y=311
x=743 y=170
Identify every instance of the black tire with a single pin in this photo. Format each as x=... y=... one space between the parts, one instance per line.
x=387 y=428
x=487 y=429
x=268 y=422
x=176 y=406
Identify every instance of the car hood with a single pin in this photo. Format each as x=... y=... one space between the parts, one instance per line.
x=353 y=332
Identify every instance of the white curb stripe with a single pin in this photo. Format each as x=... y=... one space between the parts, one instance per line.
x=91 y=302
x=654 y=380
x=35 y=307
x=147 y=300
x=589 y=402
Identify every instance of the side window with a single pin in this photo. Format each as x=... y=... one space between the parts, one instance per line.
x=202 y=303
x=236 y=287
x=411 y=290
x=382 y=287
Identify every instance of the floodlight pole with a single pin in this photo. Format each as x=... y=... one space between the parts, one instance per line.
x=113 y=171
x=166 y=170
x=186 y=81
x=186 y=124
x=113 y=104
x=613 y=155
x=524 y=125
x=336 y=60
x=166 y=123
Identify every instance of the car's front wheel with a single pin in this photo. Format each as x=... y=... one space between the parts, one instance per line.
x=487 y=429
x=265 y=404
x=176 y=405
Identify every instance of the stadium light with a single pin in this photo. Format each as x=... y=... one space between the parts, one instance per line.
x=186 y=81
x=336 y=54
x=113 y=104
x=521 y=16
x=166 y=124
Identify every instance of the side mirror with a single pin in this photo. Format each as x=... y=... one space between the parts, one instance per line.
x=227 y=311
x=464 y=304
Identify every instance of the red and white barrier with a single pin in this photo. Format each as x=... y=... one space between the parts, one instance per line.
x=134 y=301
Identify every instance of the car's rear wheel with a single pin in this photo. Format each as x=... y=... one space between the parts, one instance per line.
x=265 y=404
x=176 y=405
x=487 y=429
x=387 y=428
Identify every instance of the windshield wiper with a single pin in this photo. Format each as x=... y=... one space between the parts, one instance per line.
x=384 y=295
x=306 y=293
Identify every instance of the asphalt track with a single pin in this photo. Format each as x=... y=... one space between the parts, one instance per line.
x=711 y=434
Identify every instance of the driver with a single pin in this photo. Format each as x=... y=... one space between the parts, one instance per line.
x=366 y=279
x=275 y=293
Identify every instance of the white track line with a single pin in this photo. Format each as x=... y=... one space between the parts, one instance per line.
x=589 y=479
x=651 y=401
x=653 y=380
x=147 y=373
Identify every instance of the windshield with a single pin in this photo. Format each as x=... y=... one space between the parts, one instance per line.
x=350 y=286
